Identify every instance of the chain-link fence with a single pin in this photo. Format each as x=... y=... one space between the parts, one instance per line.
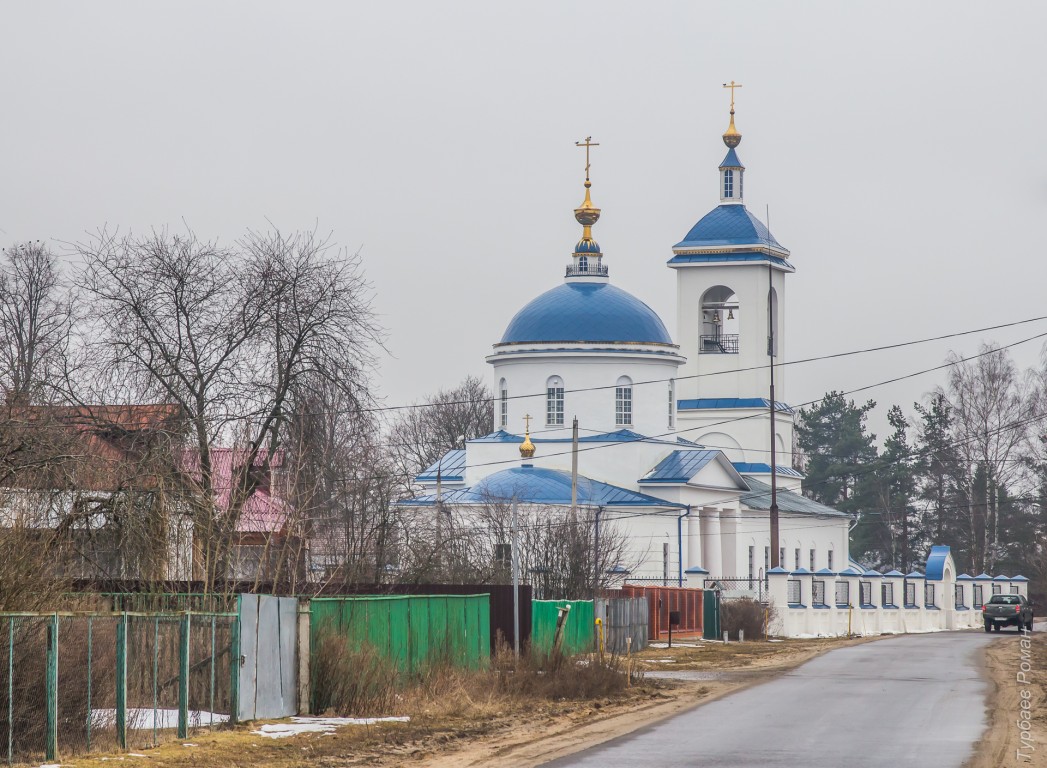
x=73 y=683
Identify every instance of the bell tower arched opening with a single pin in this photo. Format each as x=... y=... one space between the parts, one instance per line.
x=720 y=322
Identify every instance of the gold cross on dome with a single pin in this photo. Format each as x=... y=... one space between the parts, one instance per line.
x=732 y=85
x=527 y=421
x=587 y=143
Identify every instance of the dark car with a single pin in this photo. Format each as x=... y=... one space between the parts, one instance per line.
x=1006 y=611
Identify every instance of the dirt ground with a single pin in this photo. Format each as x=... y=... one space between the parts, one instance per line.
x=1003 y=742
x=468 y=733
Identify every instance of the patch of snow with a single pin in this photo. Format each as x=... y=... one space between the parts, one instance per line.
x=136 y=754
x=144 y=718
x=300 y=725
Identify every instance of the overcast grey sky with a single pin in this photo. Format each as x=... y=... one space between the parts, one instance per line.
x=900 y=146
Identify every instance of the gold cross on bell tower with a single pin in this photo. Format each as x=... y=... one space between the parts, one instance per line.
x=527 y=447
x=587 y=143
x=732 y=85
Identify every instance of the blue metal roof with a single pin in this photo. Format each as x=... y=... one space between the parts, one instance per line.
x=759 y=497
x=871 y=573
x=679 y=466
x=586 y=312
x=1001 y=577
x=824 y=572
x=758 y=468
x=451 y=466
x=894 y=573
x=965 y=577
x=731 y=160
x=729 y=225
x=849 y=571
x=936 y=562
x=983 y=577
x=718 y=258
x=707 y=403
x=1019 y=577
x=915 y=575
x=537 y=485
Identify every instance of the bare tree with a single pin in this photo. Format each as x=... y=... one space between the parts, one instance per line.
x=988 y=399
x=234 y=336
x=557 y=551
x=36 y=312
x=442 y=422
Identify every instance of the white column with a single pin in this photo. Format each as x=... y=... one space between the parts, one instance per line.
x=710 y=528
x=694 y=540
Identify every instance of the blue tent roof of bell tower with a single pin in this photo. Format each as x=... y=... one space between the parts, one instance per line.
x=729 y=225
x=731 y=160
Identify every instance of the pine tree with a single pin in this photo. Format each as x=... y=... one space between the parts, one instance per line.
x=840 y=456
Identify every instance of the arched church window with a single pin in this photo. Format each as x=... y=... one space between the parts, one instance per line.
x=554 y=401
x=623 y=401
x=720 y=318
x=503 y=406
x=672 y=403
x=728 y=183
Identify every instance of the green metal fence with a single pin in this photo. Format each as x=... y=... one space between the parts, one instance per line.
x=412 y=631
x=74 y=683
x=578 y=631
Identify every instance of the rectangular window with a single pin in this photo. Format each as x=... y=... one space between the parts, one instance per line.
x=766 y=559
x=796 y=560
x=959 y=596
x=1014 y=590
x=865 y=591
x=752 y=565
x=794 y=592
x=910 y=594
x=928 y=595
x=830 y=566
x=504 y=407
x=887 y=593
x=554 y=406
x=996 y=589
x=812 y=561
x=623 y=405
x=843 y=593
x=503 y=554
x=818 y=595
x=978 y=596
x=728 y=183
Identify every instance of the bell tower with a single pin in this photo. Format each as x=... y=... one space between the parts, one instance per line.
x=730 y=278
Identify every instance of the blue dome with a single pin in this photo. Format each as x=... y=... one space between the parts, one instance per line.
x=587 y=246
x=586 y=312
x=729 y=225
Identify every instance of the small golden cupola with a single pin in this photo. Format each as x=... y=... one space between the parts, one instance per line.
x=732 y=172
x=527 y=447
x=731 y=137
x=587 y=258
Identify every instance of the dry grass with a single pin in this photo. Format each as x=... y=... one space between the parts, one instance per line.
x=713 y=656
x=448 y=708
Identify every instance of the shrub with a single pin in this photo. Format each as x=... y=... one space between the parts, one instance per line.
x=747 y=615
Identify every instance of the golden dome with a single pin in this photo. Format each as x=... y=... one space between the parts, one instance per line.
x=731 y=137
x=527 y=447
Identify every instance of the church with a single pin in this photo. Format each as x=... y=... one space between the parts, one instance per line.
x=675 y=440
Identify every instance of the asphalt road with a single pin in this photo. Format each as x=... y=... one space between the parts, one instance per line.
x=912 y=700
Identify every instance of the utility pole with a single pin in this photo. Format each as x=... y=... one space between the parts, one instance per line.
x=775 y=554
x=516 y=582
x=574 y=468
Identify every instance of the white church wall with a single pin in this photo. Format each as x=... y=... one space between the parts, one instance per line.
x=597 y=373
x=742 y=433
